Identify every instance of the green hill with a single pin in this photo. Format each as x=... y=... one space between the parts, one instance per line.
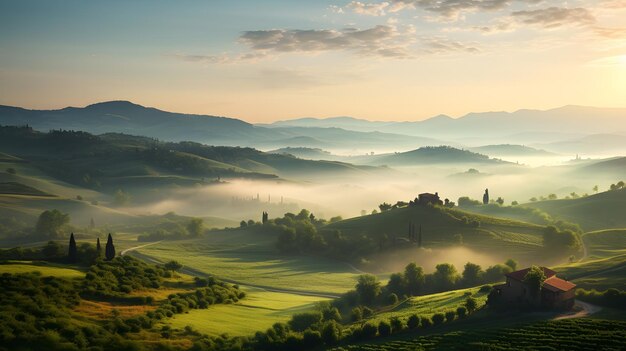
x=510 y=150
x=434 y=155
x=601 y=211
x=13 y=188
x=441 y=228
x=110 y=161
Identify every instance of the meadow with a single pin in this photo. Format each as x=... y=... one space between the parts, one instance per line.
x=251 y=259
x=44 y=268
x=258 y=311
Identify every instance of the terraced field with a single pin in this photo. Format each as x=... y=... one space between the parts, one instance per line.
x=568 y=334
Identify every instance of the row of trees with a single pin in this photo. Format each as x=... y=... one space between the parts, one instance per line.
x=109 y=251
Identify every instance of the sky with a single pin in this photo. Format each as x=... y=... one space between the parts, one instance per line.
x=262 y=61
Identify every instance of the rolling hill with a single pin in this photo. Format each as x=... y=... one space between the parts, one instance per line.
x=605 y=210
x=434 y=155
x=510 y=150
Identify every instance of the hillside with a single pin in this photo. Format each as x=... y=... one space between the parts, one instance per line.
x=510 y=150
x=445 y=228
x=111 y=161
x=305 y=152
x=601 y=211
x=434 y=155
x=612 y=167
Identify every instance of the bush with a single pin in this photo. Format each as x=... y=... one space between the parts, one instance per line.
x=461 y=311
x=356 y=314
x=396 y=324
x=426 y=322
x=392 y=299
x=438 y=318
x=450 y=316
x=471 y=304
x=485 y=289
x=331 y=333
x=312 y=338
x=301 y=321
x=384 y=328
x=413 y=322
x=369 y=330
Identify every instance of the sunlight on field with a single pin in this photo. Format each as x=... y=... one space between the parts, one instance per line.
x=256 y=263
x=259 y=310
x=17 y=267
x=430 y=304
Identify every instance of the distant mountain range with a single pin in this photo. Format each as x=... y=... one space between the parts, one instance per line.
x=569 y=129
x=129 y=118
x=566 y=122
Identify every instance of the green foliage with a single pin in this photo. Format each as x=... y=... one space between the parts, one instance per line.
x=438 y=318
x=471 y=304
x=173 y=266
x=413 y=322
x=461 y=312
x=331 y=333
x=302 y=321
x=195 y=227
x=384 y=328
x=397 y=325
x=72 y=255
x=613 y=298
x=368 y=288
x=116 y=278
x=565 y=241
x=450 y=316
x=109 y=250
x=51 y=224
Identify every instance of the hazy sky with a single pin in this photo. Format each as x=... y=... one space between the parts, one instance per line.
x=275 y=59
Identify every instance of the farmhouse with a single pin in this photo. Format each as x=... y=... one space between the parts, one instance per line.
x=428 y=198
x=555 y=292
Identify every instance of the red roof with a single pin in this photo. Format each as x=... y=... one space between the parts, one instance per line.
x=557 y=284
x=519 y=275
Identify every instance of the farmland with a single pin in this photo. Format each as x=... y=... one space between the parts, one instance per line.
x=17 y=267
x=569 y=334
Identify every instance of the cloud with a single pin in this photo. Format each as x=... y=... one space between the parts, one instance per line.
x=553 y=17
x=448 y=9
x=369 y=9
x=381 y=40
x=442 y=45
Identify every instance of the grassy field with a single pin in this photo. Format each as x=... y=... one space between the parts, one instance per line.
x=601 y=211
x=428 y=305
x=566 y=334
x=605 y=264
x=251 y=258
x=46 y=269
x=258 y=311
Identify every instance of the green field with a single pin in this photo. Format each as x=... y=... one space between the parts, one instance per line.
x=257 y=312
x=605 y=264
x=601 y=211
x=566 y=334
x=250 y=258
x=46 y=269
x=428 y=305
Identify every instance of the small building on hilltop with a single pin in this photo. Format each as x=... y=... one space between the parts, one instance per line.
x=555 y=292
x=428 y=198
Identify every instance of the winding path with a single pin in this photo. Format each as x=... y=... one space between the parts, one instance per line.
x=586 y=309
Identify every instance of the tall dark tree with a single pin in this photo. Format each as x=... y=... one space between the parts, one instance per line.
x=98 y=247
x=109 y=250
x=72 y=254
x=264 y=218
x=486 y=197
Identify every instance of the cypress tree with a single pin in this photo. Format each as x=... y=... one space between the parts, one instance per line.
x=98 y=247
x=73 y=251
x=109 y=250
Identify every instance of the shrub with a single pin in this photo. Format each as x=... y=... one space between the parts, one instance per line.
x=471 y=304
x=450 y=315
x=312 y=338
x=356 y=314
x=413 y=322
x=369 y=330
x=396 y=324
x=426 y=322
x=392 y=299
x=461 y=311
x=384 y=328
x=331 y=333
x=438 y=318
x=301 y=321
